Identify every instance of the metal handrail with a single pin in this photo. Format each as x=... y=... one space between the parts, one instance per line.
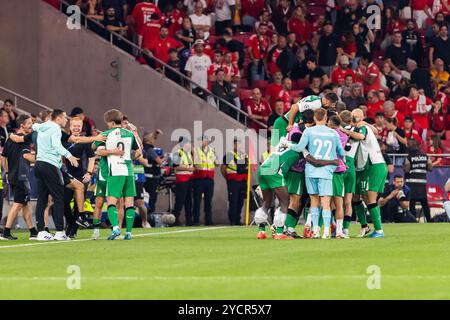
x=18 y=95
x=165 y=66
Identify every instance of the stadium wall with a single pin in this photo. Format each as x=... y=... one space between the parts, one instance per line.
x=44 y=60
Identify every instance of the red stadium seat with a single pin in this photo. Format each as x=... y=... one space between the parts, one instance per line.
x=243 y=37
x=261 y=84
x=435 y=195
x=243 y=83
x=245 y=94
x=447 y=135
x=446 y=146
x=316 y=10
x=296 y=93
x=212 y=39
x=302 y=84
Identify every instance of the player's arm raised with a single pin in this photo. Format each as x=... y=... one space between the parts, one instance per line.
x=294 y=110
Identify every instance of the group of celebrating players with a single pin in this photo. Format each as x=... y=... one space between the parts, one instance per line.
x=117 y=147
x=321 y=162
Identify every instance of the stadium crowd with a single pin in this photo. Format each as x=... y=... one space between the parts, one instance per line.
x=395 y=67
x=263 y=58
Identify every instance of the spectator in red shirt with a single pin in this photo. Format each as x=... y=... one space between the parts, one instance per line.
x=437 y=120
x=380 y=125
x=232 y=73
x=216 y=65
x=418 y=107
x=338 y=75
x=374 y=104
x=435 y=147
x=250 y=11
x=257 y=48
x=159 y=47
x=421 y=10
x=410 y=132
x=285 y=95
x=390 y=112
x=265 y=18
x=300 y=26
x=349 y=45
x=274 y=88
x=147 y=20
x=368 y=73
x=257 y=109
x=174 y=19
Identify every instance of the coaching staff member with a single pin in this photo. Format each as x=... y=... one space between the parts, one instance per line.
x=48 y=173
x=16 y=160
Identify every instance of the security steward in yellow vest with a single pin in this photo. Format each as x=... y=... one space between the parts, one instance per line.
x=184 y=169
x=234 y=169
x=203 y=179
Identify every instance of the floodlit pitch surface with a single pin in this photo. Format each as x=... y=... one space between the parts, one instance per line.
x=412 y=262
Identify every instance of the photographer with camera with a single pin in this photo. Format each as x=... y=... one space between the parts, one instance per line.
x=234 y=170
x=394 y=203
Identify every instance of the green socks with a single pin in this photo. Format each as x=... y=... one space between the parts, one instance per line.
x=347 y=221
x=96 y=223
x=129 y=217
x=112 y=215
x=361 y=213
x=262 y=227
x=291 y=219
x=375 y=214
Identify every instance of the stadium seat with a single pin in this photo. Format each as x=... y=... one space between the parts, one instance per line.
x=446 y=146
x=245 y=94
x=261 y=84
x=212 y=39
x=302 y=84
x=435 y=195
x=447 y=135
x=316 y=10
x=296 y=93
x=243 y=83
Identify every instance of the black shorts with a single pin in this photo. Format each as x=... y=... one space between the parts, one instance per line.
x=139 y=191
x=67 y=177
x=21 y=192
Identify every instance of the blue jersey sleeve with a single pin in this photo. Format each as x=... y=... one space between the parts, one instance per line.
x=339 y=150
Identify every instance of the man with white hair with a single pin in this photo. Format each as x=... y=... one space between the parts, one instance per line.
x=371 y=172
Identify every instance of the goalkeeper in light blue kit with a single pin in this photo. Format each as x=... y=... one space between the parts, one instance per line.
x=322 y=143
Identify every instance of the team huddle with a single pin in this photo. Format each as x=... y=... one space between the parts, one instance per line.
x=321 y=163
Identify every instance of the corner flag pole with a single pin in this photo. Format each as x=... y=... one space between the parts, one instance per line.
x=247 y=204
x=251 y=156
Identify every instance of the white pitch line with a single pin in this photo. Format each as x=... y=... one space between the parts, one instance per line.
x=134 y=236
x=231 y=278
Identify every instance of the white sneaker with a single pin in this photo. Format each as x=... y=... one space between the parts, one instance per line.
x=326 y=236
x=45 y=236
x=342 y=236
x=146 y=225
x=61 y=236
x=363 y=232
x=96 y=234
x=316 y=234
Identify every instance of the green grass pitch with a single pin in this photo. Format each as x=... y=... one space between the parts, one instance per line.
x=230 y=263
